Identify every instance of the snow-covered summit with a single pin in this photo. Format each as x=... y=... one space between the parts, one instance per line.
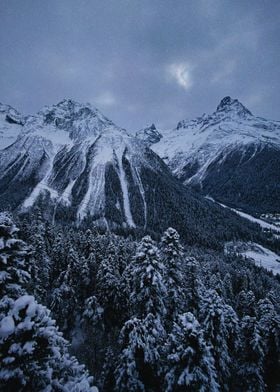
x=229 y=105
x=206 y=136
x=149 y=134
x=11 y=124
x=79 y=121
x=11 y=115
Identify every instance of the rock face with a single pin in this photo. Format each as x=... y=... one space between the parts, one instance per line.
x=231 y=155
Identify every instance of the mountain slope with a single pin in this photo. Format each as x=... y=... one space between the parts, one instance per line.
x=76 y=164
x=230 y=155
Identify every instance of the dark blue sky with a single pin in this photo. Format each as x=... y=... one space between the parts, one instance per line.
x=141 y=61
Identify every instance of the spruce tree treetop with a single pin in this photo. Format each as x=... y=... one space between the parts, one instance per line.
x=146 y=273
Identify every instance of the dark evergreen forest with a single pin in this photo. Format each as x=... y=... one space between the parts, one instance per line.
x=140 y=314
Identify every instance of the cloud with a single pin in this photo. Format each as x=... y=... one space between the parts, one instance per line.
x=181 y=73
x=139 y=60
x=105 y=99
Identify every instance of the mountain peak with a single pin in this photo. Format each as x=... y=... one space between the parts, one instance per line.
x=80 y=120
x=11 y=115
x=228 y=104
x=150 y=134
x=69 y=107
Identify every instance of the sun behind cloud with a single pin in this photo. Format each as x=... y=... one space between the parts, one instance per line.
x=181 y=73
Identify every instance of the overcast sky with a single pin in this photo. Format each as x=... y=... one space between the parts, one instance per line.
x=141 y=61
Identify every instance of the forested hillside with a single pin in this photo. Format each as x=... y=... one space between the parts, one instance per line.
x=141 y=315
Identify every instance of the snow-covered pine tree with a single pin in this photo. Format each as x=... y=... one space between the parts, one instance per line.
x=91 y=338
x=215 y=283
x=139 y=362
x=246 y=304
x=87 y=244
x=193 y=286
x=171 y=253
x=249 y=375
x=58 y=255
x=145 y=276
x=228 y=289
x=34 y=355
x=64 y=300
x=41 y=277
x=190 y=365
x=84 y=278
x=220 y=326
x=109 y=291
x=71 y=284
x=269 y=323
x=14 y=259
x=123 y=254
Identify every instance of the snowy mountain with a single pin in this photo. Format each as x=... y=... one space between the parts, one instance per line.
x=231 y=155
x=75 y=163
x=68 y=151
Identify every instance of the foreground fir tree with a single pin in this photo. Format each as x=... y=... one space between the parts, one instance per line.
x=269 y=323
x=250 y=358
x=220 y=326
x=139 y=361
x=14 y=260
x=189 y=361
x=34 y=355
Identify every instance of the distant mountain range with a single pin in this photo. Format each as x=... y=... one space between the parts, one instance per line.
x=230 y=155
x=76 y=164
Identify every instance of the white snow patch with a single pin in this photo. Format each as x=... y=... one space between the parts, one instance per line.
x=55 y=135
x=7 y=327
x=94 y=192
x=261 y=256
x=42 y=186
x=126 y=203
x=65 y=197
x=142 y=191
x=23 y=302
